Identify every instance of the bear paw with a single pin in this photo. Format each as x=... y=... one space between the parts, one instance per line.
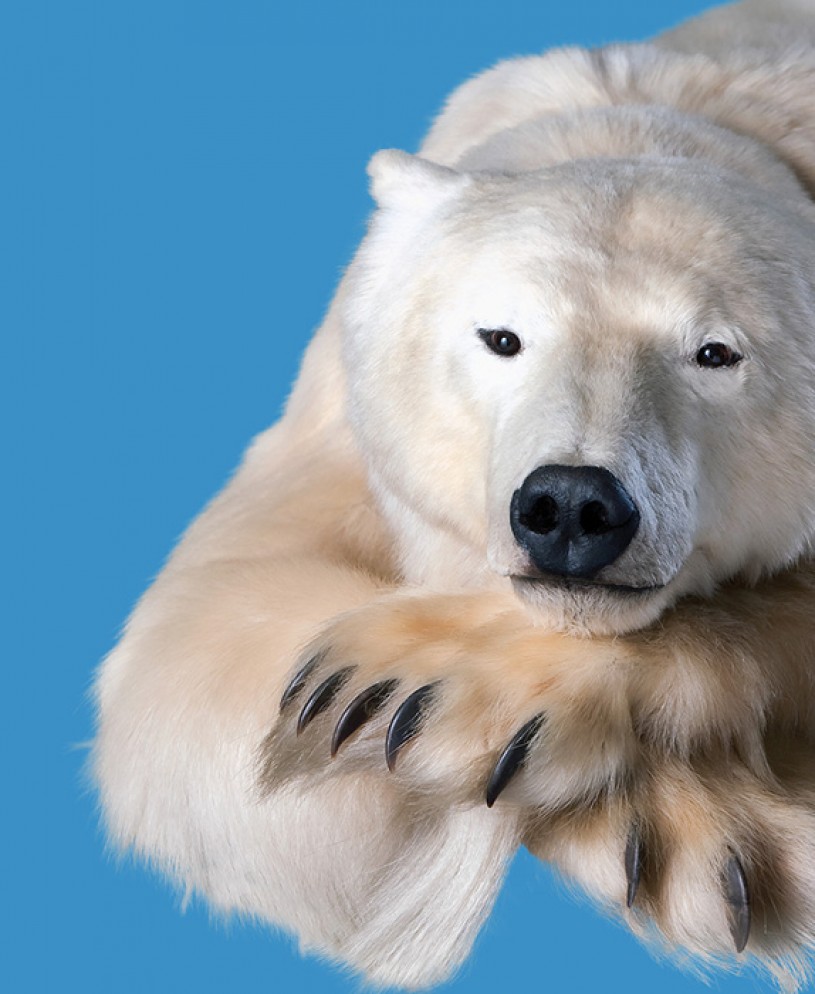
x=456 y=698
x=718 y=858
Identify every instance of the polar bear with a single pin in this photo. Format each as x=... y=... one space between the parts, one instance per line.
x=528 y=560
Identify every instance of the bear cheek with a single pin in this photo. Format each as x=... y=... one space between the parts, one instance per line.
x=429 y=454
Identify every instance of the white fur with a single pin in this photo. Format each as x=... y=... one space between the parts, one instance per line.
x=617 y=209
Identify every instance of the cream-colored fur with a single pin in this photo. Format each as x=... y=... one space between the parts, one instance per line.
x=617 y=208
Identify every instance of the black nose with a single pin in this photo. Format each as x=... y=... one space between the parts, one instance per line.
x=573 y=520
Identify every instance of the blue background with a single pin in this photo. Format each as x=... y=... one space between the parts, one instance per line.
x=186 y=182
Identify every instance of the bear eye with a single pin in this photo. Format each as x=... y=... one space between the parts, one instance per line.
x=501 y=341
x=717 y=355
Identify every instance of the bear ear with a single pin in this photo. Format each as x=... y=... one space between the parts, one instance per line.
x=399 y=179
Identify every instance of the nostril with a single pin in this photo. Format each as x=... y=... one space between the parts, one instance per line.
x=594 y=518
x=542 y=516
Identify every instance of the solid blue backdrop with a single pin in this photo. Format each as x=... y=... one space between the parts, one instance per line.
x=191 y=184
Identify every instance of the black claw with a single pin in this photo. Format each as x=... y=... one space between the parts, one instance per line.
x=634 y=851
x=406 y=722
x=298 y=681
x=363 y=707
x=737 y=896
x=322 y=697
x=512 y=758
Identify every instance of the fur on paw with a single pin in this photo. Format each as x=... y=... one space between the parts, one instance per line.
x=459 y=700
x=703 y=856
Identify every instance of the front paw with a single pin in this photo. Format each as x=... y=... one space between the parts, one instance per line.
x=459 y=699
x=719 y=858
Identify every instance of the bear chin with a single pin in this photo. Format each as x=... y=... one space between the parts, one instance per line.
x=590 y=608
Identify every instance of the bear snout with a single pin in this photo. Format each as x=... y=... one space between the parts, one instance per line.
x=573 y=520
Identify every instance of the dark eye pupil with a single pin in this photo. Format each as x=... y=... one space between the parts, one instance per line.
x=716 y=354
x=502 y=342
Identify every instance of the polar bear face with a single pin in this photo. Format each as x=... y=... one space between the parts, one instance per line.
x=597 y=380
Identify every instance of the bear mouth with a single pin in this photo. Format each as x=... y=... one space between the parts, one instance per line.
x=572 y=584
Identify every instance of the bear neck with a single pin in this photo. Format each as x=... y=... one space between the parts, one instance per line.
x=538 y=111
x=631 y=133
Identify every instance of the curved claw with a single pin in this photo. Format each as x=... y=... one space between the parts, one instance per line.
x=322 y=697
x=363 y=707
x=298 y=681
x=634 y=851
x=512 y=758
x=406 y=722
x=737 y=895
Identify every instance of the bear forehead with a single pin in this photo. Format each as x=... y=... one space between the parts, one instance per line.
x=655 y=239
x=605 y=208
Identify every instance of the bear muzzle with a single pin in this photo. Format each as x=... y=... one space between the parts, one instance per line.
x=572 y=520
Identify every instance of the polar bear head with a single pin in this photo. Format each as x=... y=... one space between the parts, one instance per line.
x=596 y=380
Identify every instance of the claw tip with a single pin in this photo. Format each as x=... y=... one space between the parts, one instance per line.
x=633 y=864
x=511 y=759
x=737 y=896
x=406 y=722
